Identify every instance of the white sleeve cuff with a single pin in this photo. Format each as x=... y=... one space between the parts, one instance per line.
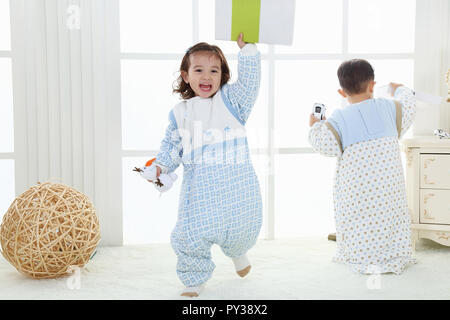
x=401 y=89
x=318 y=123
x=249 y=49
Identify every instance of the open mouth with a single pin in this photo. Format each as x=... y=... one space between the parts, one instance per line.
x=205 y=87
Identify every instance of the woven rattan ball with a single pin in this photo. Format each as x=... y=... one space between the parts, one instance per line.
x=48 y=228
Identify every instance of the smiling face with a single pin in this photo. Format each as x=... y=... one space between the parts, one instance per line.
x=204 y=73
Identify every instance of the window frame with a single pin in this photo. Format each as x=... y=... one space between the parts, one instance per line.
x=270 y=57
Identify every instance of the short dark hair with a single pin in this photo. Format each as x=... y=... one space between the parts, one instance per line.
x=354 y=75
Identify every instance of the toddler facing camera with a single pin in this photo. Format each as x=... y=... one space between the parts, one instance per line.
x=220 y=201
x=373 y=231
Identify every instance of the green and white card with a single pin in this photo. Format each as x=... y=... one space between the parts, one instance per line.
x=261 y=21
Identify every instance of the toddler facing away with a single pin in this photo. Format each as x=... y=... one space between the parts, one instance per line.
x=373 y=232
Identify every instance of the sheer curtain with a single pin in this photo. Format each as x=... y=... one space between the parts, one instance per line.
x=66 y=81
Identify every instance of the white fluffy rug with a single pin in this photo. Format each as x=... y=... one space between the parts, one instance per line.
x=282 y=269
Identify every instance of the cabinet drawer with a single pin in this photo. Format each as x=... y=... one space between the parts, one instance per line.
x=435 y=206
x=435 y=171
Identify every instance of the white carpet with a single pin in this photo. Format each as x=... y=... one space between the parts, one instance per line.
x=282 y=269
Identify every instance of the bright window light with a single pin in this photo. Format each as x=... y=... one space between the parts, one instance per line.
x=6 y=109
x=398 y=71
x=317 y=28
x=147 y=217
x=382 y=26
x=146 y=101
x=5 y=33
x=155 y=26
x=304 y=195
x=6 y=185
x=298 y=85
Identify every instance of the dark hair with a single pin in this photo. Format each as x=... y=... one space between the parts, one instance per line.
x=183 y=88
x=354 y=75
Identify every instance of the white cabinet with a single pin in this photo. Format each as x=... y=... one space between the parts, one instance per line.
x=428 y=187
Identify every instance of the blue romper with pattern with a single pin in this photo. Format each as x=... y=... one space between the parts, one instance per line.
x=220 y=201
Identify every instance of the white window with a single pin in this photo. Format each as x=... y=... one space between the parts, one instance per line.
x=6 y=112
x=296 y=182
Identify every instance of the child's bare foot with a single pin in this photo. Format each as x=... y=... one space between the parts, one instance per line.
x=190 y=294
x=191 y=291
x=242 y=265
x=242 y=273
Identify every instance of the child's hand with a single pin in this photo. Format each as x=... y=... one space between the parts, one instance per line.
x=241 y=42
x=394 y=87
x=313 y=119
x=158 y=172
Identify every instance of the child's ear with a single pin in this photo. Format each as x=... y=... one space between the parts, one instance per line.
x=185 y=76
x=371 y=86
x=342 y=93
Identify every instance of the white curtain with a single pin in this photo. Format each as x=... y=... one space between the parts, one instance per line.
x=66 y=84
x=431 y=63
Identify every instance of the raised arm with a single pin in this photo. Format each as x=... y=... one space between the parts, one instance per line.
x=241 y=95
x=406 y=97
x=171 y=150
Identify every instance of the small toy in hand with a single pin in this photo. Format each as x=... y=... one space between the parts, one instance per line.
x=162 y=183
x=319 y=111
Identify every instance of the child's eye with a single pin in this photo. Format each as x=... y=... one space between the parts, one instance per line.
x=215 y=71
x=198 y=70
